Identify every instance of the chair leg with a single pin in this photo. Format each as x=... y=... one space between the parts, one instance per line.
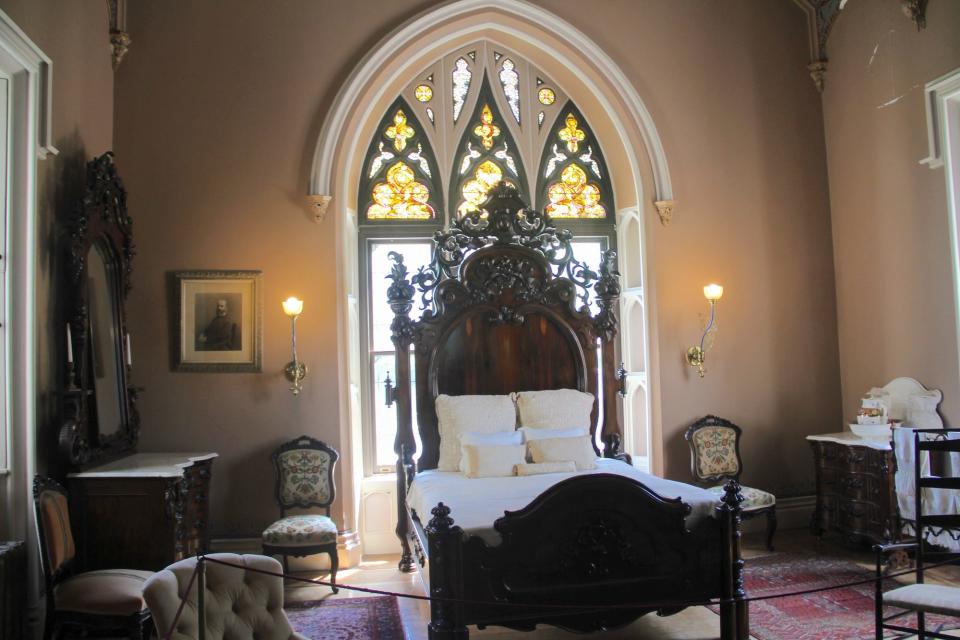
x=771 y=527
x=334 y=565
x=921 y=625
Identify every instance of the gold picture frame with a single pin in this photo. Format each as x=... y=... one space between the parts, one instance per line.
x=219 y=324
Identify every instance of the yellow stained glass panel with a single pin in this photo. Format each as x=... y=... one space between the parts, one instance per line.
x=475 y=190
x=546 y=96
x=573 y=197
x=401 y=197
x=571 y=133
x=423 y=93
x=486 y=130
x=399 y=131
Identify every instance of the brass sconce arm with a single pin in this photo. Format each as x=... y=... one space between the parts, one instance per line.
x=295 y=370
x=696 y=355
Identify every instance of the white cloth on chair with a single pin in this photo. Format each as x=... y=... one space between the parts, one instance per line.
x=936 y=501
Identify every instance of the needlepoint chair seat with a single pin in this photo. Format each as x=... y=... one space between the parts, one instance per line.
x=753 y=499
x=304 y=470
x=295 y=531
x=715 y=458
x=108 y=600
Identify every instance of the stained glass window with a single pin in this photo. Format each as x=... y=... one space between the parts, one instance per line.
x=510 y=81
x=399 y=177
x=571 y=182
x=485 y=156
x=461 y=85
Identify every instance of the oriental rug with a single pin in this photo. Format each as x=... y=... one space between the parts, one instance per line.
x=375 y=618
x=845 y=613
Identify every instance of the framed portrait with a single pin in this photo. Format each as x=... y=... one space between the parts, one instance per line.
x=219 y=321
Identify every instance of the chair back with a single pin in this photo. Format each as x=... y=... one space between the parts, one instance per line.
x=715 y=450
x=304 y=468
x=57 y=548
x=238 y=604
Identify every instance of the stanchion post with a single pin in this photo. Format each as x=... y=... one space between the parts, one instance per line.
x=734 y=614
x=201 y=587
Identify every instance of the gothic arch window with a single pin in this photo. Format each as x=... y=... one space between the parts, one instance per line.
x=478 y=115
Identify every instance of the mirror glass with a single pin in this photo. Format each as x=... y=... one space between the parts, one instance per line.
x=105 y=350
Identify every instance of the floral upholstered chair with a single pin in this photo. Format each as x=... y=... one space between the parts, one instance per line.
x=304 y=469
x=715 y=451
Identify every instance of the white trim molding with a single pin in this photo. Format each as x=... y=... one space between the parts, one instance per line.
x=322 y=174
x=15 y=42
x=939 y=94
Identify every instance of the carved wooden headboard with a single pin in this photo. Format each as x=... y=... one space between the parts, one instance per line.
x=505 y=310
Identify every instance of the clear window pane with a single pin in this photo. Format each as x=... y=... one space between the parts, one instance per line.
x=415 y=255
x=588 y=251
x=385 y=418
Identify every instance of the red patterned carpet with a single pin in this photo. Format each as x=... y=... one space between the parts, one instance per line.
x=376 y=618
x=839 y=614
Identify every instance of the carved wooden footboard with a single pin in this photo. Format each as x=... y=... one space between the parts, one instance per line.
x=591 y=553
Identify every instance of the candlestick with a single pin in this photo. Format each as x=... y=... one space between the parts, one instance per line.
x=69 y=345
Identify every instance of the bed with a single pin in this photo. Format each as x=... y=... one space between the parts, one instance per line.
x=505 y=311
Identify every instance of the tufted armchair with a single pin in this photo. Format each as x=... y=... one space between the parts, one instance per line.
x=238 y=604
x=715 y=458
x=304 y=469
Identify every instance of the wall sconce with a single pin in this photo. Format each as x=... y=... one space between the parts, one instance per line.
x=696 y=354
x=295 y=370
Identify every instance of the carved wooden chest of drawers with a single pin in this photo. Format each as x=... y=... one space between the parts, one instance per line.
x=855 y=490
x=144 y=511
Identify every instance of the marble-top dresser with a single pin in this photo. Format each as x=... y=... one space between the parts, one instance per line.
x=143 y=511
x=856 y=495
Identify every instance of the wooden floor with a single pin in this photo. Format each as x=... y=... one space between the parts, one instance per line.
x=696 y=623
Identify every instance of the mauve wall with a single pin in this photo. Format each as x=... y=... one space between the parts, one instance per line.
x=895 y=292
x=75 y=36
x=218 y=109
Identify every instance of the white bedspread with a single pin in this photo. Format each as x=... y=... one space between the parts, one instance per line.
x=475 y=503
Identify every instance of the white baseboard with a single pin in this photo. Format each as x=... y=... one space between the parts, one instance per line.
x=792 y=513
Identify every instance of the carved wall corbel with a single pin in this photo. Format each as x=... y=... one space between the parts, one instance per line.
x=665 y=210
x=916 y=10
x=318 y=206
x=119 y=38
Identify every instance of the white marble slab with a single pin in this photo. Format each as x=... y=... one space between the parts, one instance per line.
x=850 y=439
x=145 y=465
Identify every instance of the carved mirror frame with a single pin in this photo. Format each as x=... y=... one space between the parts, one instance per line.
x=100 y=223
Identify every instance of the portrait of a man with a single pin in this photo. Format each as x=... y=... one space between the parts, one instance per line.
x=222 y=329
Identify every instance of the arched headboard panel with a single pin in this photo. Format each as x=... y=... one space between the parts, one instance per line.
x=510 y=316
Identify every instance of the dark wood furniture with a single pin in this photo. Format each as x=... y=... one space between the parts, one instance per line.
x=83 y=601
x=856 y=495
x=920 y=598
x=13 y=597
x=726 y=464
x=506 y=310
x=304 y=468
x=143 y=511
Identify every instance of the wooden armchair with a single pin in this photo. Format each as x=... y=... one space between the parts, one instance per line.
x=104 y=600
x=304 y=468
x=715 y=458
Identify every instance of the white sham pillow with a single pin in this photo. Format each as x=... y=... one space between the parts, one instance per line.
x=465 y=414
x=538 y=468
x=491 y=461
x=579 y=450
x=500 y=438
x=555 y=409
x=532 y=433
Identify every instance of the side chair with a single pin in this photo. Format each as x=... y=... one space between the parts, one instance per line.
x=107 y=600
x=304 y=469
x=715 y=458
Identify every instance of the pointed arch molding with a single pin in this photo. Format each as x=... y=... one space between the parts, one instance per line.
x=334 y=145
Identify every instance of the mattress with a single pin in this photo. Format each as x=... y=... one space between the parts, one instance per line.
x=475 y=503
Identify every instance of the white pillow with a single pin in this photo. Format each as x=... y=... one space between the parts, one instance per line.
x=489 y=461
x=531 y=433
x=579 y=450
x=462 y=414
x=500 y=438
x=537 y=468
x=557 y=409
